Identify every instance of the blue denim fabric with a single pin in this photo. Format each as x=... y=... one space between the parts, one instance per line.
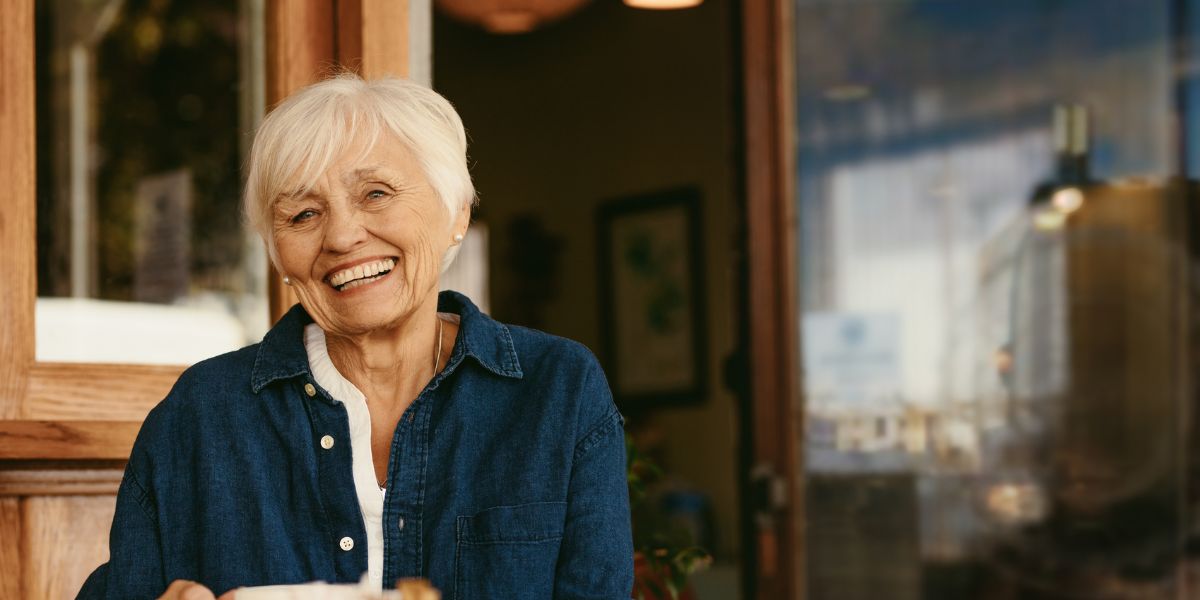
x=507 y=476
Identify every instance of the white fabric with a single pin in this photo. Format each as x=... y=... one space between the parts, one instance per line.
x=370 y=497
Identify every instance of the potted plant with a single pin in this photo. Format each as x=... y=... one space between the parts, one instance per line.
x=665 y=556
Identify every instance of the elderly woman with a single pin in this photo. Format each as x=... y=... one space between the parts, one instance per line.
x=380 y=428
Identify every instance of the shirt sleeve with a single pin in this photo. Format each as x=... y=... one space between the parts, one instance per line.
x=134 y=568
x=596 y=556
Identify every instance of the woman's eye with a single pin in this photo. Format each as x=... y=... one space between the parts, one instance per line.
x=303 y=215
x=376 y=194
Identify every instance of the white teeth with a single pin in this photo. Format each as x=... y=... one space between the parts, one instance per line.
x=360 y=274
x=358 y=282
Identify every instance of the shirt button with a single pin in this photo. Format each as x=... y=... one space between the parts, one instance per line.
x=347 y=544
x=310 y=390
x=400 y=524
x=327 y=443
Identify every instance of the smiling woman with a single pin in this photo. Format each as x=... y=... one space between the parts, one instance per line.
x=351 y=220
x=380 y=428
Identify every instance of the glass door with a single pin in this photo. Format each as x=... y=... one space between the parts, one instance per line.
x=995 y=234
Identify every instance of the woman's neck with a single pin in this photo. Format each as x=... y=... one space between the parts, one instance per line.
x=390 y=366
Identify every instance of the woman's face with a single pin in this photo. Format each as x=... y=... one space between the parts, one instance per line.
x=363 y=248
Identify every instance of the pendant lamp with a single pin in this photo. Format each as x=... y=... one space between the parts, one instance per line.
x=663 y=4
x=509 y=16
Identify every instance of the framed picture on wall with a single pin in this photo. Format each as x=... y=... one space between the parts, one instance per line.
x=651 y=298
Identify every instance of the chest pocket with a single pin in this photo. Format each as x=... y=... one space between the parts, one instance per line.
x=508 y=551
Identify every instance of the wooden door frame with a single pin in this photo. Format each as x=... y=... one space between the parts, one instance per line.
x=776 y=415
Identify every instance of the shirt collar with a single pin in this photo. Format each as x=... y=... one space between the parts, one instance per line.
x=281 y=353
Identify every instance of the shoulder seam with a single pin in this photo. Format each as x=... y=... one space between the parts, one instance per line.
x=612 y=421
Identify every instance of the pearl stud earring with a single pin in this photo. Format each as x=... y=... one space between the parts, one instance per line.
x=287 y=280
x=458 y=238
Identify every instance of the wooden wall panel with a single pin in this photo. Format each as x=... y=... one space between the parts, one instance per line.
x=66 y=538
x=10 y=548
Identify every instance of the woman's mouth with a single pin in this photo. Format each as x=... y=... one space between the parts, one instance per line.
x=360 y=275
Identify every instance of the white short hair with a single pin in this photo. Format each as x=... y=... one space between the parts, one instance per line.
x=302 y=136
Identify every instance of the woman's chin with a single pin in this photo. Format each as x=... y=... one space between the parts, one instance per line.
x=365 y=311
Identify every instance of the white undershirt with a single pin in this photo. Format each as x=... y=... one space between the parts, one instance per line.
x=370 y=495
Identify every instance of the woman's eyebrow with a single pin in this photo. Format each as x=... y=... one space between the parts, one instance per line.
x=292 y=197
x=368 y=172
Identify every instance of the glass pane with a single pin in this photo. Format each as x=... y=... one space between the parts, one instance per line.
x=995 y=247
x=144 y=112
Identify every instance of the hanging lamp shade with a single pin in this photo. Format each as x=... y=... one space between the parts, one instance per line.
x=509 y=16
x=663 y=4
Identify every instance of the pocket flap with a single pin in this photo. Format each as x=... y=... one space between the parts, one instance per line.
x=533 y=522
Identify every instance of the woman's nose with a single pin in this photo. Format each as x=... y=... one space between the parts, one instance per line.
x=344 y=230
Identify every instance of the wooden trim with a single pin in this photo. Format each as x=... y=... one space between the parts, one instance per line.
x=96 y=391
x=36 y=478
x=774 y=340
x=67 y=440
x=349 y=45
x=383 y=40
x=371 y=38
x=300 y=40
x=18 y=225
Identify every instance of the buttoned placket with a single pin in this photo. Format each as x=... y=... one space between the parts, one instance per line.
x=405 y=502
x=344 y=524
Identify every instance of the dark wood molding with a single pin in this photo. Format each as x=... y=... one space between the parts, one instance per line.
x=773 y=313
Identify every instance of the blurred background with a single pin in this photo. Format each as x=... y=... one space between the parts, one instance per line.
x=898 y=295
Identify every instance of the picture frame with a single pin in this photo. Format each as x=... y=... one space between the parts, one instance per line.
x=652 y=309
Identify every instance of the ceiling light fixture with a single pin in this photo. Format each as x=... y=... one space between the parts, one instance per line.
x=663 y=4
x=509 y=16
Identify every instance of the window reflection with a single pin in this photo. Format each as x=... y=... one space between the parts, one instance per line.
x=994 y=252
x=144 y=112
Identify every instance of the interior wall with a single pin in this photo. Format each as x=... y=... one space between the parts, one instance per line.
x=612 y=101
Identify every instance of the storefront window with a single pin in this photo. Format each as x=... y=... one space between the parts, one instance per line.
x=996 y=232
x=145 y=110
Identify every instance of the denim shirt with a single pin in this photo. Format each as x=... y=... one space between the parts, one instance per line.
x=506 y=476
